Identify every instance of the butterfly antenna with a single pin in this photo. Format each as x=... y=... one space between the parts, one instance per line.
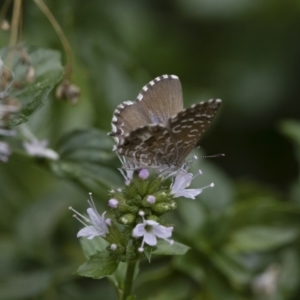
x=213 y=156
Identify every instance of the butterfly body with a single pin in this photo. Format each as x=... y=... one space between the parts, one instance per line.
x=155 y=131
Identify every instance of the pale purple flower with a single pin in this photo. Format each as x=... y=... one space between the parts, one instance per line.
x=113 y=203
x=98 y=222
x=150 y=230
x=144 y=174
x=39 y=149
x=151 y=199
x=183 y=180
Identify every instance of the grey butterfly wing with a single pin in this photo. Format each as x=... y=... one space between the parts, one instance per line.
x=148 y=146
x=126 y=118
x=160 y=99
x=188 y=126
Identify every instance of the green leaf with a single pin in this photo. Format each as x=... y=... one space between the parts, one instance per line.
x=148 y=253
x=292 y=130
x=189 y=264
x=93 y=246
x=289 y=276
x=232 y=266
x=46 y=212
x=87 y=145
x=261 y=238
x=164 y=248
x=86 y=155
x=98 y=266
x=48 y=72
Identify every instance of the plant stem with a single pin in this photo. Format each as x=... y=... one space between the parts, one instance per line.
x=129 y=278
x=14 y=31
x=43 y=7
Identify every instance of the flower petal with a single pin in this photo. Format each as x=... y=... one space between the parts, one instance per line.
x=90 y=232
x=139 y=230
x=182 y=180
x=97 y=220
x=162 y=231
x=150 y=238
x=188 y=193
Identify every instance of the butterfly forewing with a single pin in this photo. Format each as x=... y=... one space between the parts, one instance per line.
x=126 y=119
x=160 y=99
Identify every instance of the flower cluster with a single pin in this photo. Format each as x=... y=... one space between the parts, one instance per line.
x=137 y=210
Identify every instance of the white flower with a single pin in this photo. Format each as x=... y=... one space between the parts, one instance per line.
x=151 y=230
x=38 y=148
x=183 y=180
x=7 y=132
x=99 y=225
x=5 y=151
x=266 y=283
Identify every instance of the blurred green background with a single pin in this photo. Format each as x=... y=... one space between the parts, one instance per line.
x=244 y=233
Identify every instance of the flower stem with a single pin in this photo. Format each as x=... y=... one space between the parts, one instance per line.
x=67 y=47
x=14 y=31
x=129 y=279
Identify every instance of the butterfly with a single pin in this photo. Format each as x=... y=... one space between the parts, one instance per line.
x=155 y=131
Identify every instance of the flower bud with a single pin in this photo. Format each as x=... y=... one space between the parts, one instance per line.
x=113 y=203
x=68 y=91
x=149 y=201
x=113 y=247
x=127 y=219
x=141 y=186
x=144 y=174
x=164 y=207
x=116 y=248
x=154 y=185
x=30 y=74
x=162 y=196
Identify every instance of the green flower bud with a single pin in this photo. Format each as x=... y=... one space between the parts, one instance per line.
x=141 y=186
x=164 y=207
x=115 y=248
x=154 y=185
x=162 y=196
x=148 y=201
x=127 y=219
